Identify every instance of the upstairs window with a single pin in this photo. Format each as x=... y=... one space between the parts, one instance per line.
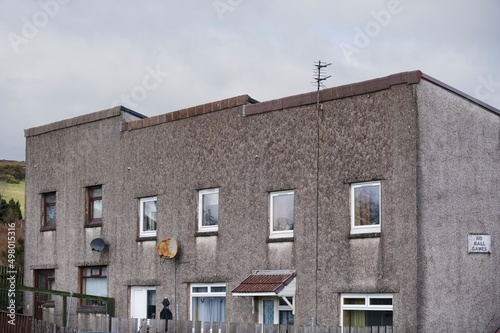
x=95 y=204
x=208 y=210
x=281 y=214
x=49 y=210
x=148 y=217
x=365 y=207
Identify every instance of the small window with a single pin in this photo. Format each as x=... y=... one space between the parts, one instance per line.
x=49 y=214
x=95 y=204
x=148 y=217
x=208 y=210
x=365 y=207
x=94 y=281
x=281 y=214
x=208 y=302
x=359 y=310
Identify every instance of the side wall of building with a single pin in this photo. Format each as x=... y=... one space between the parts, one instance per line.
x=459 y=157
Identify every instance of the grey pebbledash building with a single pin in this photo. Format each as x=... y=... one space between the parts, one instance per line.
x=377 y=206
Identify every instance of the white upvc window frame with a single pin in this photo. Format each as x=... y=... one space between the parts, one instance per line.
x=366 y=306
x=201 y=194
x=142 y=232
x=362 y=229
x=208 y=293
x=280 y=233
x=277 y=307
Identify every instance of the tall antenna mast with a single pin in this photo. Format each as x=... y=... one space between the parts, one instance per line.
x=319 y=77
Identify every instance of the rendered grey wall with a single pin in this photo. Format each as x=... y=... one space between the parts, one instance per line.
x=458 y=195
x=376 y=136
x=365 y=138
x=245 y=158
x=67 y=161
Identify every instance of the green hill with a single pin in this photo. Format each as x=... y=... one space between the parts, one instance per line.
x=12 y=183
x=13 y=191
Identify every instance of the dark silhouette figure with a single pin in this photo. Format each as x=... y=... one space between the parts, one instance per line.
x=165 y=313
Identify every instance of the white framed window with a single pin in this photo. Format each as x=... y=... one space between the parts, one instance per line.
x=148 y=217
x=208 y=210
x=276 y=310
x=208 y=302
x=366 y=310
x=281 y=214
x=365 y=207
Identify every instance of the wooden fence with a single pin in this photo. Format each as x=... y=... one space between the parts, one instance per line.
x=26 y=324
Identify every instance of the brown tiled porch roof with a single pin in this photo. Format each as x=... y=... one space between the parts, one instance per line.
x=261 y=283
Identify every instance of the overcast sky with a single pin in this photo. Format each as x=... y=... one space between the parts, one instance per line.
x=64 y=58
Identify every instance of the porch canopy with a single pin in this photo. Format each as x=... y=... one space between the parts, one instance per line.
x=267 y=283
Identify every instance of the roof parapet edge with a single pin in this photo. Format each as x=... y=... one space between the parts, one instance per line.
x=189 y=112
x=79 y=120
x=329 y=94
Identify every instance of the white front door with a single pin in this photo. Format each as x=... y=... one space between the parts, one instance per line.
x=142 y=302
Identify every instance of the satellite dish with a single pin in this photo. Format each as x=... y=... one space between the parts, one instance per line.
x=98 y=244
x=167 y=249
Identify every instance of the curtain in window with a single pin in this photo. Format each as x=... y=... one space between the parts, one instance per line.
x=286 y=318
x=95 y=287
x=366 y=205
x=283 y=212
x=149 y=216
x=209 y=309
x=210 y=209
x=268 y=310
x=97 y=209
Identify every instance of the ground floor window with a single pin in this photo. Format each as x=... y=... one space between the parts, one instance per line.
x=276 y=310
x=366 y=310
x=208 y=302
x=94 y=281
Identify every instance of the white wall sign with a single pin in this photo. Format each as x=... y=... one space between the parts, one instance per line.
x=479 y=244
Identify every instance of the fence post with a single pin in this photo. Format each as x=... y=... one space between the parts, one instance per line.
x=64 y=311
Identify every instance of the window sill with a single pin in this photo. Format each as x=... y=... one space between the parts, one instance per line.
x=100 y=309
x=146 y=239
x=367 y=235
x=280 y=240
x=93 y=225
x=49 y=304
x=206 y=233
x=49 y=228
